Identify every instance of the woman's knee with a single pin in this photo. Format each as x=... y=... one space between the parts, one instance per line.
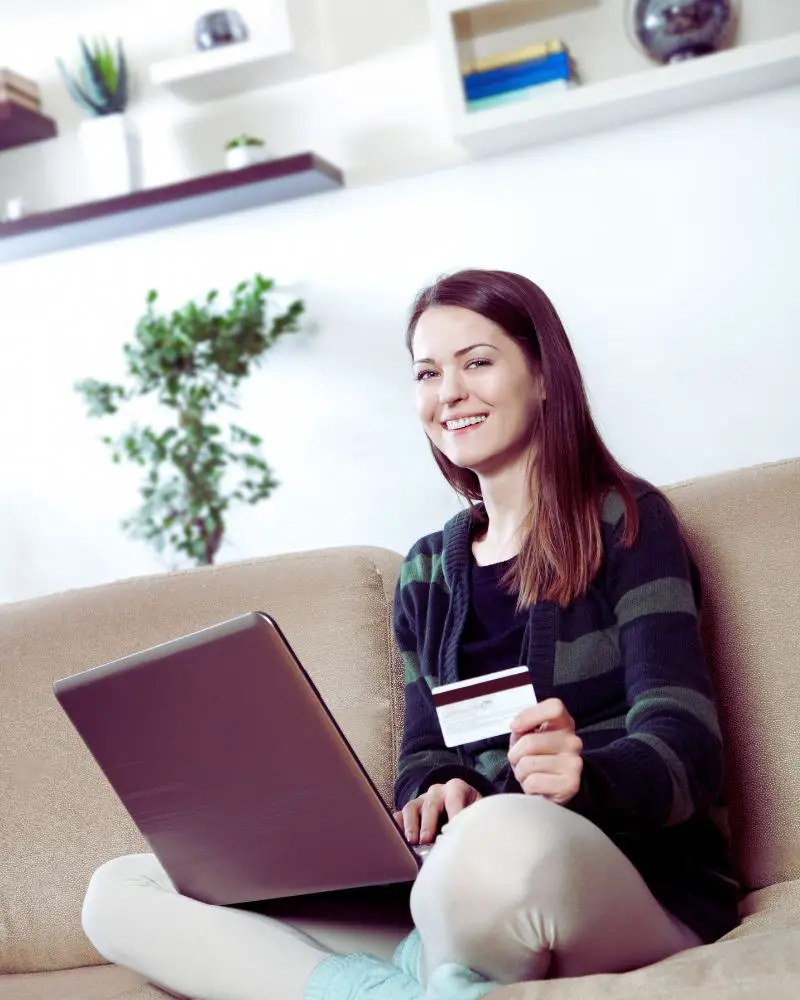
x=491 y=856
x=107 y=903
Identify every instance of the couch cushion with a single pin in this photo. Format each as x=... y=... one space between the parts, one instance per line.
x=100 y=982
x=59 y=819
x=761 y=958
x=768 y=910
x=744 y=530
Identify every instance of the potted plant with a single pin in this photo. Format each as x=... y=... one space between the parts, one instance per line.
x=193 y=361
x=243 y=151
x=110 y=145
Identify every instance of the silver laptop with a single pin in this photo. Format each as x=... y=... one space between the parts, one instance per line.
x=228 y=761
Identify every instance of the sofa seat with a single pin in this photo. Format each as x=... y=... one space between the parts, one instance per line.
x=760 y=958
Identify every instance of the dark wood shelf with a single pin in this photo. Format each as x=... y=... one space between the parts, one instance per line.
x=171 y=205
x=19 y=126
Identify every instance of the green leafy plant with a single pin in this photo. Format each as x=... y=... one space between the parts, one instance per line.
x=243 y=140
x=101 y=83
x=192 y=361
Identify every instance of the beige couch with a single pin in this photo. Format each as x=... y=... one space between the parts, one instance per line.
x=59 y=820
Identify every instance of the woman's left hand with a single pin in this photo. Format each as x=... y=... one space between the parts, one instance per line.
x=545 y=753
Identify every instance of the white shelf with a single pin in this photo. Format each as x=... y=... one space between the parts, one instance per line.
x=621 y=86
x=462 y=6
x=635 y=97
x=229 y=69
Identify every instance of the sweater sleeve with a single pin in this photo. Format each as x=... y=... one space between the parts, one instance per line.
x=424 y=759
x=669 y=765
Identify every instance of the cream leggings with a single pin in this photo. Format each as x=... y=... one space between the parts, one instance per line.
x=515 y=888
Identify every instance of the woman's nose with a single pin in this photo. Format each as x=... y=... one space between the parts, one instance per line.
x=451 y=390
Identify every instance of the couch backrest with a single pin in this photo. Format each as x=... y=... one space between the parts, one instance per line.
x=59 y=818
x=744 y=531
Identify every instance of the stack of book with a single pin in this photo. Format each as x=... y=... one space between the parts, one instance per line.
x=16 y=90
x=513 y=76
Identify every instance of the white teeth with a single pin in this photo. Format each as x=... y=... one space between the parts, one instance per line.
x=455 y=425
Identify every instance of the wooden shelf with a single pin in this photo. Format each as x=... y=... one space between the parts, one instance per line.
x=620 y=85
x=171 y=205
x=19 y=126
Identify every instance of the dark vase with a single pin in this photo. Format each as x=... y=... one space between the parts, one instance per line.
x=673 y=30
x=219 y=27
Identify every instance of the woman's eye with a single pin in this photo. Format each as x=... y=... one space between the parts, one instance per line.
x=424 y=375
x=478 y=362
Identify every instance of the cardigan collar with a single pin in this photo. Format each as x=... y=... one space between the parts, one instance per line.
x=539 y=641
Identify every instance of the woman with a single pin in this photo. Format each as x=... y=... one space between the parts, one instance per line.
x=583 y=842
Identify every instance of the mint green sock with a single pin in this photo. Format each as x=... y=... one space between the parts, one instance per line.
x=365 y=977
x=360 y=977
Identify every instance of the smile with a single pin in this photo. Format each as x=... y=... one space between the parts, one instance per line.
x=462 y=422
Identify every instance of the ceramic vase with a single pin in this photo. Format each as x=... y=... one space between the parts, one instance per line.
x=219 y=27
x=112 y=152
x=674 y=30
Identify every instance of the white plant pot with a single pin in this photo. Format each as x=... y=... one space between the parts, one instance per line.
x=112 y=152
x=243 y=156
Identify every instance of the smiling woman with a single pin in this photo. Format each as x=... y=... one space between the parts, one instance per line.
x=570 y=565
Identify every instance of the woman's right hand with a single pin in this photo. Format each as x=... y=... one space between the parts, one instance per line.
x=420 y=817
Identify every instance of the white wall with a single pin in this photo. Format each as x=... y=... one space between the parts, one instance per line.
x=670 y=249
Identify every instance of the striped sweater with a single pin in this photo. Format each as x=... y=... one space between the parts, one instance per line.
x=626 y=659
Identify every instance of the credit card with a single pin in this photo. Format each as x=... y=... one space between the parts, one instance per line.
x=482 y=707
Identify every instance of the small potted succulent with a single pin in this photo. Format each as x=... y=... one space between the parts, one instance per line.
x=242 y=151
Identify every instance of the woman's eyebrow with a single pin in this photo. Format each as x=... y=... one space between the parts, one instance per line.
x=464 y=350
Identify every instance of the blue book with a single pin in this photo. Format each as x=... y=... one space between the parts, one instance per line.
x=507 y=78
x=525 y=94
x=503 y=72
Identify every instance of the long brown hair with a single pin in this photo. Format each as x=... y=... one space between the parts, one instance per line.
x=562 y=545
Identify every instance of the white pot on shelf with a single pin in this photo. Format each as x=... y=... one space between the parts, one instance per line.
x=112 y=152
x=243 y=156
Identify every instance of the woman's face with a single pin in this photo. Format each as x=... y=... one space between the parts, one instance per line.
x=478 y=394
